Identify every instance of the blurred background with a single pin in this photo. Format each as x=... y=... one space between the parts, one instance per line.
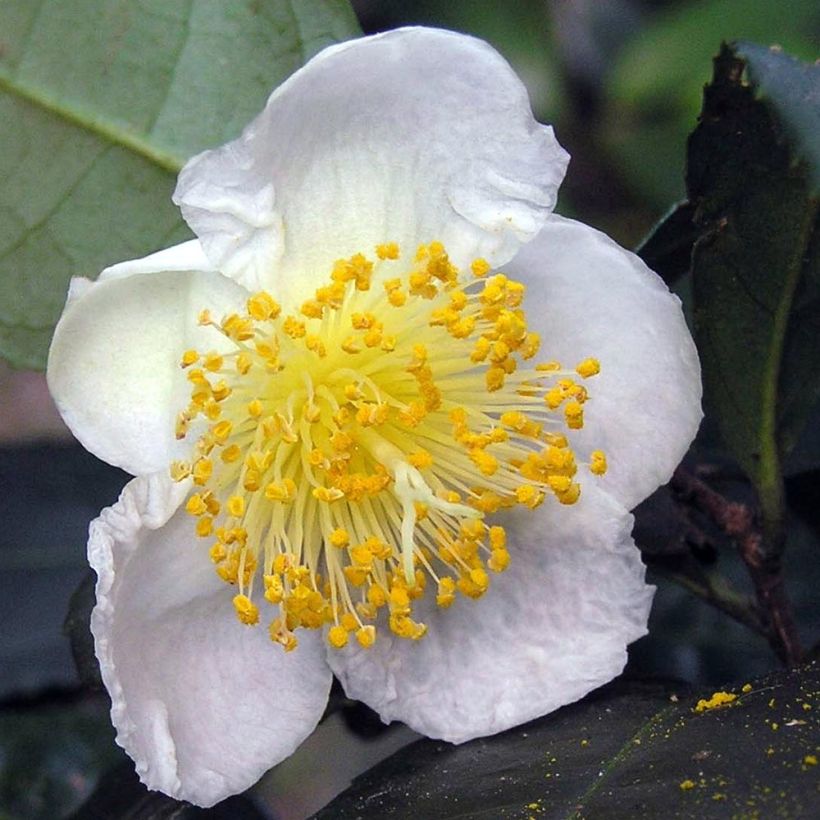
x=621 y=82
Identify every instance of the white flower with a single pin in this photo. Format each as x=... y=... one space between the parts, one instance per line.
x=359 y=398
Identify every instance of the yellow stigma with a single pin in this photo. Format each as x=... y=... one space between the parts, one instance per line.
x=349 y=453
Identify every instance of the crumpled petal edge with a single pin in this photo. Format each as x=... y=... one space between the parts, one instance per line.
x=145 y=502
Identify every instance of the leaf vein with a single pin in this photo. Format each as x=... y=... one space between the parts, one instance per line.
x=42 y=222
x=110 y=132
x=619 y=756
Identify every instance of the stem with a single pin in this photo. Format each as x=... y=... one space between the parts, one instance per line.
x=762 y=557
x=722 y=596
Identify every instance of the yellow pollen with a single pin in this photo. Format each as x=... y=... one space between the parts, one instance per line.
x=246 y=610
x=574 y=415
x=282 y=491
x=205 y=526
x=355 y=452
x=218 y=552
x=180 y=470
x=420 y=458
x=717 y=700
x=339 y=538
x=212 y=362
x=588 y=367
x=189 y=357
x=262 y=306
x=366 y=636
x=195 y=505
x=202 y=470
x=597 y=462
x=236 y=506
x=315 y=344
x=337 y=636
x=499 y=560
x=388 y=250
x=327 y=494
x=294 y=328
x=480 y=267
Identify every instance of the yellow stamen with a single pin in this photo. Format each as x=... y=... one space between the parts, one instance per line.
x=246 y=610
x=588 y=367
x=389 y=250
x=352 y=451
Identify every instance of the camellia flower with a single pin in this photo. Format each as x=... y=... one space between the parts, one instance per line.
x=387 y=416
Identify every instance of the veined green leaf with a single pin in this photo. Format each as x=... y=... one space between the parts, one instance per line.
x=101 y=102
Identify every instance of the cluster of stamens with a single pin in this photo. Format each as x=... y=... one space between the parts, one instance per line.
x=349 y=453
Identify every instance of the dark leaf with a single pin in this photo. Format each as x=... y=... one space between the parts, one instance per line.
x=77 y=628
x=51 y=757
x=756 y=274
x=121 y=796
x=792 y=88
x=668 y=249
x=616 y=756
x=655 y=82
x=662 y=528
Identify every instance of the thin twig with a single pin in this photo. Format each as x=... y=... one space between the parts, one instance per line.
x=740 y=524
x=727 y=600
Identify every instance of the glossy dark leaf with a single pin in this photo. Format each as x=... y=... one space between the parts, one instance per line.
x=756 y=271
x=120 y=796
x=791 y=88
x=621 y=754
x=59 y=760
x=655 y=83
x=668 y=248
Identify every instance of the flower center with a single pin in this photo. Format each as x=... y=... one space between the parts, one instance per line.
x=352 y=451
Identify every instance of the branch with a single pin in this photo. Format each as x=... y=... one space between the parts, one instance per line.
x=740 y=524
x=720 y=595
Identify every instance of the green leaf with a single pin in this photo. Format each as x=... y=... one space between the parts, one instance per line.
x=617 y=755
x=101 y=102
x=756 y=274
x=654 y=88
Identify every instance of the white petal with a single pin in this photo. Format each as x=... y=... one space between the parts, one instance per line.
x=551 y=628
x=587 y=296
x=409 y=136
x=183 y=257
x=113 y=367
x=203 y=704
